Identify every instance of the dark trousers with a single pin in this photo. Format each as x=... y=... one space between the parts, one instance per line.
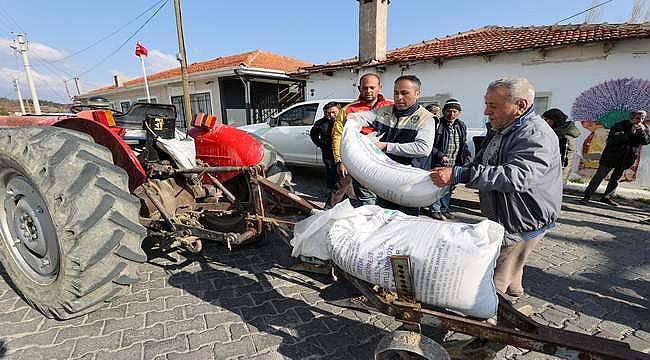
x=599 y=176
x=331 y=174
x=413 y=211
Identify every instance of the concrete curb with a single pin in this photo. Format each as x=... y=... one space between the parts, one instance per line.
x=622 y=192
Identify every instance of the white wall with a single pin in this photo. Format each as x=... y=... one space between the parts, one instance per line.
x=562 y=73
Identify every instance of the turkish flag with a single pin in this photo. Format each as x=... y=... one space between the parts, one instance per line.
x=140 y=50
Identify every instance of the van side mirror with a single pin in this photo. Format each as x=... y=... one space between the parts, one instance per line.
x=273 y=121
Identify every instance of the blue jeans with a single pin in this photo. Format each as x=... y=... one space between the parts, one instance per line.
x=364 y=196
x=442 y=205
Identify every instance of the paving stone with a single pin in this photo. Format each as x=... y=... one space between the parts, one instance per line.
x=238 y=330
x=185 y=300
x=33 y=339
x=106 y=313
x=265 y=341
x=51 y=323
x=249 y=313
x=219 y=334
x=74 y=332
x=200 y=309
x=132 y=322
x=20 y=328
x=140 y=296
x=163 y=293
x=60 y=351
x=12 y=316
x=155 y=317
x=132 y=336
x=143 y=307
x=130 y=353
x=161 y=347
x=196 y=324
x=92 y=344
x=205 y=352
x=243 y=348
x=146 y=285
x=220 y=318
x=236 y=303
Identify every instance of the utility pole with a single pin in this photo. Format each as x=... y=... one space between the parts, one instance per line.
x=78 y=85
x=20 y=97
x=67 y=91
x=21 y=46
x=183 y=59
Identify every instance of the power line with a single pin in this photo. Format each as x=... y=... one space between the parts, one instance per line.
x=120 y=28
x=12 y=19
x=127 y=40
x=582 y=12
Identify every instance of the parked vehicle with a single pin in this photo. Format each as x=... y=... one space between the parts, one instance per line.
x=82 y=193
x=288 y=131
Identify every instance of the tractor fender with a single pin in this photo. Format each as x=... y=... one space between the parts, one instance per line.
x=123 y=155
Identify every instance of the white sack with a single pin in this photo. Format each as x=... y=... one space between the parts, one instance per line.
x=452 y=263
x=401 y=184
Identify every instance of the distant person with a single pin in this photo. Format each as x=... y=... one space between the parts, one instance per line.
x=321 y=135
x=623 y=141
x=434 y=108
x=406 y=129
x=567 y=133
x=370 y=97
x=518 y=175
x=449 y=150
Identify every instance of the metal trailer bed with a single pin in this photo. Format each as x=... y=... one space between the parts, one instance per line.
x=512 y=328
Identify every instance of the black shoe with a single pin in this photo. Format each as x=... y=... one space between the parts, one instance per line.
x=608 y=201
x=438 y=216
x=448 y=215
x=584 y=201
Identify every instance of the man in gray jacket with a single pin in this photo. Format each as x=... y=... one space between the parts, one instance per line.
x=518 y=174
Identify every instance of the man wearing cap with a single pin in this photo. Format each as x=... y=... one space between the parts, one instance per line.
x=434 y=108
x=449 y=149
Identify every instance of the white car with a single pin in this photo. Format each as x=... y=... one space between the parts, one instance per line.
x=288 y=131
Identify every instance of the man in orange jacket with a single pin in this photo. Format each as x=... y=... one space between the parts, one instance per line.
x=370 y=97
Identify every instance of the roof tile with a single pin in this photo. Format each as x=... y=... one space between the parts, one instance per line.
x=495 y=39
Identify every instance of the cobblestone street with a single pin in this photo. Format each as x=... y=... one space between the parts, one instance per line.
x=591 y=274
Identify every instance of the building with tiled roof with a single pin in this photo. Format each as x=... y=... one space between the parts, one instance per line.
x=494 y=40
x=220 y=86
x=562 y=61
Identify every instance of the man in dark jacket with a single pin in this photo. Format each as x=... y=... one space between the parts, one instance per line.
x=321 y=135
x=620 y=153
x=567 y=133
x=518 y=175
x=449 y=149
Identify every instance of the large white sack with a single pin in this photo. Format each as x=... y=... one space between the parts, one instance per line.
x=452 y=263
x=390 y=180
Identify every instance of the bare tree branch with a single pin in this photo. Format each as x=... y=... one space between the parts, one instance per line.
x=593 y=16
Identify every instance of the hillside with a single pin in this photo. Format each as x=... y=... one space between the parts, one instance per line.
x=10 y=106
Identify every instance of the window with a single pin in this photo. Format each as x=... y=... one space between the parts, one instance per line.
x=542 y=103
x=153 y=100
x=299 y=116
x=200 y=102
x=125 y=105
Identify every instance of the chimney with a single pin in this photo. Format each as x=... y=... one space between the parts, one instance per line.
x=117 y=81
x=373 y=16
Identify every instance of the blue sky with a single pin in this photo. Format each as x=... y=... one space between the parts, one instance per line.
x=313 y=31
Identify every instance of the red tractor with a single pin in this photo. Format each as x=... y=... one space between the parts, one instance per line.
x=81 y=193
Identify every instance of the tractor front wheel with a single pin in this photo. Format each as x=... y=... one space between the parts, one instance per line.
x=69 y=236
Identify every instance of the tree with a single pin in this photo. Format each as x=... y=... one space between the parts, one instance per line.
x=593 y=15
x=638 y=9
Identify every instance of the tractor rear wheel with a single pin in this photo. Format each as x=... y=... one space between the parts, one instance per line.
x=69 y=236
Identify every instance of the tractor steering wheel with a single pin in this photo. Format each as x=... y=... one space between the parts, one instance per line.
x=81 y=107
